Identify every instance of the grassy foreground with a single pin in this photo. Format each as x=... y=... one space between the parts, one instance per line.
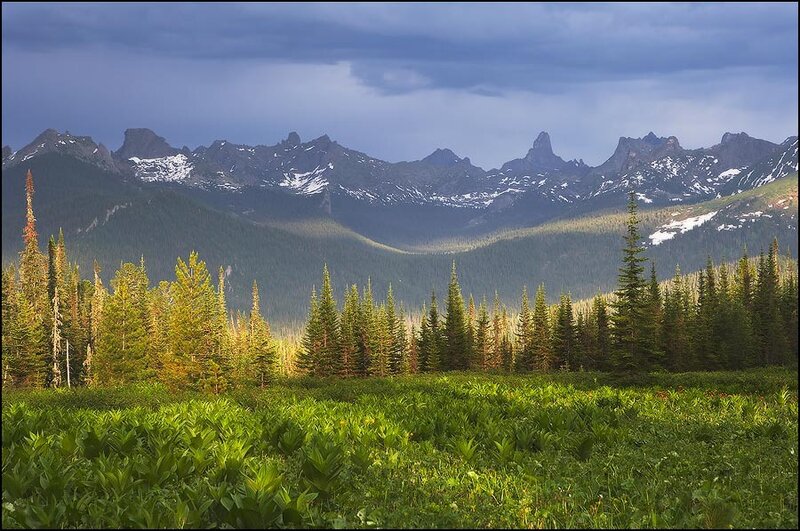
x=460 y=450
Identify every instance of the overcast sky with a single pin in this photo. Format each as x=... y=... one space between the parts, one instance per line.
x=397 y=81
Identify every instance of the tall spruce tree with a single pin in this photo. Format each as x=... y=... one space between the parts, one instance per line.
x=123 y=340
x=193 y=361
x=544 y=359
x=525 y=335
x=482 y=352
x=396 y=352
x=259 y=343
x=311 y=344
x=602 y=322
x=456 y=348
x=431 y=349
x=564 y=338
x=364 y=326
x=349 y=331
x=329 y=362
x=632 y=348
x=675 y=332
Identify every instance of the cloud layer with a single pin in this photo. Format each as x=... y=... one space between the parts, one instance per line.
x=399 y=80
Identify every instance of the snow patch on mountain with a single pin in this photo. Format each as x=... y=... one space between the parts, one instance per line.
x=671 y=229
x=307 y=183
x=165 y=169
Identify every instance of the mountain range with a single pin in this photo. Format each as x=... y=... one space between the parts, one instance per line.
x=275 y=213
x=536 y=187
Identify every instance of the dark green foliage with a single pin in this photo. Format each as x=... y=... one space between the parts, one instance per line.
x=564 y=335
x=632 y=346
x=526 y=340
x=456 y=348
x=544 y=358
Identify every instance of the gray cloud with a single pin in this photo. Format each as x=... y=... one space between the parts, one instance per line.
x=398 y=80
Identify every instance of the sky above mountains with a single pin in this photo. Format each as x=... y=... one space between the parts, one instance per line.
x=397 y=81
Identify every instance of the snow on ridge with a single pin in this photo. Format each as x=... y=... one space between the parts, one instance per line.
x=730 y=173
x=307 y=183
x=669 y=230
x=164 y=169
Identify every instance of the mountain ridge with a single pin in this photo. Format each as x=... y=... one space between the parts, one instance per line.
x=323 y=165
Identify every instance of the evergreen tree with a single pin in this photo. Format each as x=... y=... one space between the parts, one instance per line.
x=384 y=342
x=193 y=360
x=706 y=355
x=471 y=317
x=744 y=280
x=772 y=339
x=482 y=359
x=9 y=321
x=259 y=344
x=431 y=350
x=32 y=263
x=349 y=331
x=330 y=363
x=506 y=347
x=222 y=339
x=675 y=325
x=456 y=348
x=496 y=358
x=632 y=348
x=158 y=304
x=602 y=322
x=413 y=351
x=33 y=267
x=364 y=326
x=651 y=321
x=396 y=351
x=525 y=335
x=585 y=340
x=307 y=360
x=123 y=339
x=28 y=344
x=543 y=357
x=732 y=331
x=564 y=339
x=402 y=340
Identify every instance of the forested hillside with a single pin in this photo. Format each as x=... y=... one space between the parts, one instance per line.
x=112 y=220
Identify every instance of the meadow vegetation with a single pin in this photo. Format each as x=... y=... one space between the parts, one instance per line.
x=575 y=449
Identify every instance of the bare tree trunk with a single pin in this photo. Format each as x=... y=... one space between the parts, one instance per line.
x=68 y=382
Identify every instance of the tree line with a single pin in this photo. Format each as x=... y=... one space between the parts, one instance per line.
x=61 y=330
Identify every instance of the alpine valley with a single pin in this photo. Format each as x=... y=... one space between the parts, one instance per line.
x=276 y=213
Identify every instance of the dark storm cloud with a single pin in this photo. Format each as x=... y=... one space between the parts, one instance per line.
x=454 y=46
x=582 y=71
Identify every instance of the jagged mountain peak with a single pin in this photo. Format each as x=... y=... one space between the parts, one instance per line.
x=541 y=155
x=143 y=143
x=293 y=139
x=651 y=138
x=542 y=143
x=442 y=157
x=323 y=141
x=730 y=137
